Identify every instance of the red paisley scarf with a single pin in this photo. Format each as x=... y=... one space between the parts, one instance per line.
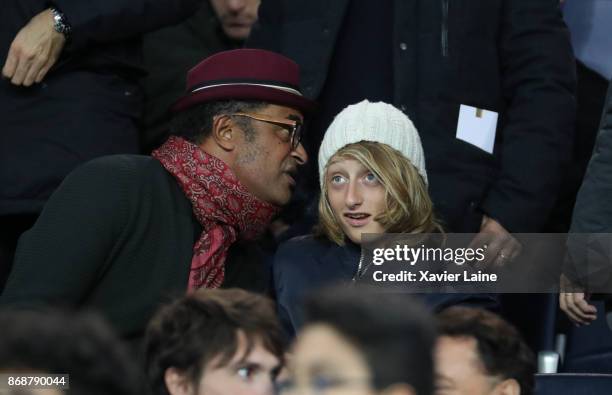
x=221 y=204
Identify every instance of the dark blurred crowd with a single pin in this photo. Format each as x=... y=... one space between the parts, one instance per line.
x=185 y=186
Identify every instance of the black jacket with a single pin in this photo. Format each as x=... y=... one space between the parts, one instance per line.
x=590 y=244
x=89 y=103
x=117 y=237
x=306 y=263
x=510 y=56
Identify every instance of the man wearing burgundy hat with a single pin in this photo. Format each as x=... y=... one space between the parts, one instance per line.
x=124 y=232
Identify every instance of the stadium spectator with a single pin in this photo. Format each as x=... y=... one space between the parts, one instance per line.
x=81 y=346
x=222 y=342
x=125 y=232
x=218 y=25
x=373 y=180
x=478 y=353
x=391 y=354
x=589 y=260
x=591 y=36
x=69 y=93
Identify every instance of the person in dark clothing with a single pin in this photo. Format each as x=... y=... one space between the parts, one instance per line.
x=591 y=35
x=488 y=83
x=588 y=264
x=218 y=25
x=373 y=180
x=69 y=94
x=124 y=232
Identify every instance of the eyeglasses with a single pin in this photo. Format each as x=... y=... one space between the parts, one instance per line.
x=292 y=126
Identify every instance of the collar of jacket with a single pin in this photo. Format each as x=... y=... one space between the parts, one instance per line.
x=341 y=260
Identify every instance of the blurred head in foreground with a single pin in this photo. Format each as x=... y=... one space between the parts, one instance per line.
x=81 y=346
x=358 y=342
x=214 y=342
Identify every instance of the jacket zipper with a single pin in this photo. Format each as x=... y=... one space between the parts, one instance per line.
x=359 y=268
x=445 y=28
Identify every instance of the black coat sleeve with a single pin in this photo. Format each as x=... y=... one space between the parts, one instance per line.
x=593 y=211
x=103 y=21
x=64 y=254
x=283 y=287
x=292 y=280
x=538 y=78
x=590 y=244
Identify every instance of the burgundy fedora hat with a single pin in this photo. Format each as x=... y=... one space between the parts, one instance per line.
x=245 y=74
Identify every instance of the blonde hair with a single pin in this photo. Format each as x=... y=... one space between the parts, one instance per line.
x=408 y=207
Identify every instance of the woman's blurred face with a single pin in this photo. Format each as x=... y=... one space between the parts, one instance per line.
x=356 y=197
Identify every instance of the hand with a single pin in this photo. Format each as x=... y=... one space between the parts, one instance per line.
x=34 y=51
x=574 y=303
x=500 y=246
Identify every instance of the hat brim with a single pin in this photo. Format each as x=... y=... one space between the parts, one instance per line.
x=248 y=92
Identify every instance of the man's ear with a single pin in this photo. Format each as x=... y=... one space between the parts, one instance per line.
x=399 y=389
x=177 y=382
x=507 y=387
x=224 y=132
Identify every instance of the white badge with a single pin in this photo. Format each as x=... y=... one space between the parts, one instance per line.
x=477 y=126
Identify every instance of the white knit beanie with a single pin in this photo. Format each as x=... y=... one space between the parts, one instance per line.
x=378 y=122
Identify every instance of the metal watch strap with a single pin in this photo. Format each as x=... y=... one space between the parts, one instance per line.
x=60 y=24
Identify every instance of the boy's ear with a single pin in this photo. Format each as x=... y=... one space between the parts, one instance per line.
x=507 y=387
x=177 y=382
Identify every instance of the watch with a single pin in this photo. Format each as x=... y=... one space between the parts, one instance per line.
x=60 y=24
